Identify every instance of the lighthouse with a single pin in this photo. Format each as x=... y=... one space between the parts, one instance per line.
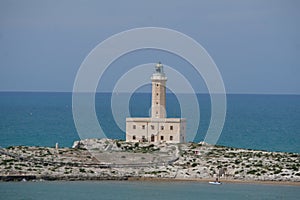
x=158 y=108
x=157 y=127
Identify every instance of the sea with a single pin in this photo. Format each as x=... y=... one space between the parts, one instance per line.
x=143 y=190
x=262 y=122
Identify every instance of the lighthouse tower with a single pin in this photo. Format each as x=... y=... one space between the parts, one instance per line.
x=158 y=109
x=157 y=127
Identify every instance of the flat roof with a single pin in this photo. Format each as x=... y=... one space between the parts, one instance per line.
x=154 y=120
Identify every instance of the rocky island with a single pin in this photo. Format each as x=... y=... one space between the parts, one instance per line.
x=106 y=159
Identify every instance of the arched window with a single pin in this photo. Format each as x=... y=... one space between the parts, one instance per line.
x=152 y=138
x=133 y=137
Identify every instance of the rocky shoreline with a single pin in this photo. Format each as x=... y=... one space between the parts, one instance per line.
x=105 y=159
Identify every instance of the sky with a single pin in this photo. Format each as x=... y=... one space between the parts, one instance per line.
x=255 y=44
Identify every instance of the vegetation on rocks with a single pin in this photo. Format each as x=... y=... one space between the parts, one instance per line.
x=95 y=159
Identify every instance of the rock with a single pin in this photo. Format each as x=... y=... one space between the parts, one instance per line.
x=76 y=145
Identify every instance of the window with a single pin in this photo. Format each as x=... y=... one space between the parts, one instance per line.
x=171 y=137
x=152 y=138
x=143 y=126
x=161 y=137
x=152 y=127
x=156 y=85
x=156 y=103
x=134 y=126
x=162 y=128
x=133 y=137
x=156 y=94
x=171 y=128
x=143 y=139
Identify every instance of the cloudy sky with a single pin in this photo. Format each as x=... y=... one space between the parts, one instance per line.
x=255 y=44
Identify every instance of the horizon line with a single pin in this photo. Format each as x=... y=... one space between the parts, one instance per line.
x=139 y=92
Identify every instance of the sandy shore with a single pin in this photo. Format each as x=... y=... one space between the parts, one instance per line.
x=147 y=179
x=209 y=180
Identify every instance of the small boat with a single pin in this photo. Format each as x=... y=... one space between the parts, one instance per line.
x=215 y=183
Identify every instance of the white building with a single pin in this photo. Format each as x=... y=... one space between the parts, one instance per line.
x=157 y=128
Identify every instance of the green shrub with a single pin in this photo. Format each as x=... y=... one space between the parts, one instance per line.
x=294 y=167
x=253 y=171
x=18 y=168
x=277 y=171
x=118 y=144
x=82 y=170
x=237 y=161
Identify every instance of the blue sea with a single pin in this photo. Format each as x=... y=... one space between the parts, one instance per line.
x=143 y=190
x=264 y=122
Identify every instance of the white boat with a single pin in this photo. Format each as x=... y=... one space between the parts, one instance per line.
x=215 y=183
